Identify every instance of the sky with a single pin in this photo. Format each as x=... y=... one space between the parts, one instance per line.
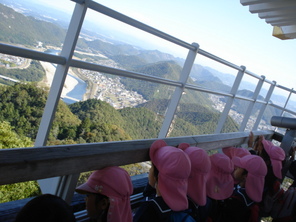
x=224 y=28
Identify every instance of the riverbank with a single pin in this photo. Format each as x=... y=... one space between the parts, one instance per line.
x=92 y=87
x=70 y=82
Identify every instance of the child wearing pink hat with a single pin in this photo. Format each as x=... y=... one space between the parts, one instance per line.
x=242 y=206
x=234 y=151
x=220 y=181
x=108 y=195
x=200 y=167
x=169 y=175
x=273 y=157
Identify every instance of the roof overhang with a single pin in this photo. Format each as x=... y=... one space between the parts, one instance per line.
x=281 y=14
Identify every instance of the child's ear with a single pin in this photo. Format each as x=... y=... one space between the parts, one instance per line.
x=244 y=177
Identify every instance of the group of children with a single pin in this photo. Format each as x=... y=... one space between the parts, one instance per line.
x=229 y=186
x=221 y=187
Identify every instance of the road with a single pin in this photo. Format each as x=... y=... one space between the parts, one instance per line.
x=8 y=78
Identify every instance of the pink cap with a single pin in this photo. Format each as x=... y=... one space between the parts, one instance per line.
x=276 y=155
x=115 y=183
x=257 y=171
x=200 y=167
x=174 y=169
x=232 y=152
x=220 y=182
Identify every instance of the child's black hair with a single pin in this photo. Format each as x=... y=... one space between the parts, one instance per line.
x=155 y=172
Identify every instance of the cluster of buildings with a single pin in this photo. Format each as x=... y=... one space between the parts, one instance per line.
x=238 y=117
x=7 y=60
x=111 y=90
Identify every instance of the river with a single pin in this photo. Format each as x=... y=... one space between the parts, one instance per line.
x=78 y=91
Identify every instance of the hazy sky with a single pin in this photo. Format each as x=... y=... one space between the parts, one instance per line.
x=224 y=28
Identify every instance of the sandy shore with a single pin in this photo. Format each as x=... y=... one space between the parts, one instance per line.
x=70 y=82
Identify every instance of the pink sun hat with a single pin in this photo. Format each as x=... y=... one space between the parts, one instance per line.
x=233 y=151
x=115 y=183
x=220 y=182
x=276 y=155
x=257 y=171
x=174 y=169
x=200 y=167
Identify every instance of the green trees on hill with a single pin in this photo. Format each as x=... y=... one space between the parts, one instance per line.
x=141 y=123
x=97 y=121
x=34 y=73
x=191 y=118
x=100 y=122
x=150 y=90
x=22 y=106
x=19 y=29
x=10 y=139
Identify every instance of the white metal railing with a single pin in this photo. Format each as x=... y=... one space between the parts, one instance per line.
x=24 y=164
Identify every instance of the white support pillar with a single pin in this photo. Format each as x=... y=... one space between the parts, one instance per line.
x=52 y=185
x=178 y=91
x=263 y=106
x=229 y=101
x=251 y=104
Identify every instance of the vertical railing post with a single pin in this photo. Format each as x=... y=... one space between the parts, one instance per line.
x=229 y=101
x=53 y=185
x=263 y=106
x=178 y=92
x=251 y=104
x=286 y=103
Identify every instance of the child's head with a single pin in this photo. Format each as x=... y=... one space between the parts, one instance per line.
x=173 y=166
x=273 y=157
x=108 y=194
x=251 y=171
x=239 y=152
x=240 y=175
x=46 y=207
x=233 y=151
x=220 y=181
x=153 y=175
x=200 y=167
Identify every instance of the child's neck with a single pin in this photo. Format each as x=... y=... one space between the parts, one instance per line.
x=242 y=184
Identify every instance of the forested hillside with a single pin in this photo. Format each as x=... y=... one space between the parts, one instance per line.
x=17 y=28
x=203 y=119
x=241 y=106
x=141 y=123
x=34 y=73
x=166 y=70
x=100 y=122
x=96 y=121
x=22 y=106
x=191 y=118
